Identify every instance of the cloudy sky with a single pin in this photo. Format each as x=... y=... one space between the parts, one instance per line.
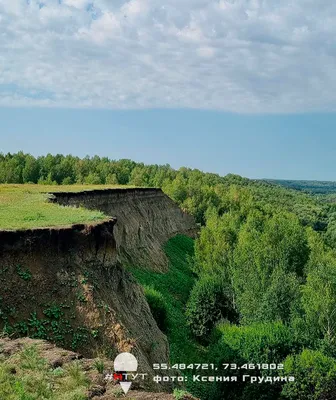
x=245 y=56
x=242 y=86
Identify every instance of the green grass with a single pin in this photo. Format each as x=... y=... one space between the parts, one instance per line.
x=175 y=286
x=26 y=207
x=35 y=380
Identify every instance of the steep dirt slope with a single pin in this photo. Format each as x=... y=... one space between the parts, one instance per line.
x=65 y=285
x=146 y=219
x=68 y=285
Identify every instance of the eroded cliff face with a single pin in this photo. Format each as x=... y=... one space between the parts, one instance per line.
x=66 y=286
x=69 y=286
x=146 y=219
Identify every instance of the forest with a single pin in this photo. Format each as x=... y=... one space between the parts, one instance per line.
x=315 y=187
x=263 y=269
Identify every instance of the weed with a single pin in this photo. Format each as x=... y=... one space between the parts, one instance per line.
x=24 y=274
x=95 y=333
x=58 y=371
x=77 y=375
x=118 y=392
x=35 y=380
x=99 y=365
x=179 y=394
x=81 y=297
x=53 y=312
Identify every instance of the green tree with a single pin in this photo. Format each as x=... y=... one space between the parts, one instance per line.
x=31 y=170
x=319 y=303
x=315 y=376
x=209 y=302
x=268 y=250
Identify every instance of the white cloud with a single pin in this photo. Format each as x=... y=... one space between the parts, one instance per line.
x=79 y=4
x=234 y=55
x=206 y=52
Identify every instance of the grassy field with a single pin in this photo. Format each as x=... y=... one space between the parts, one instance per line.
x=27 y=207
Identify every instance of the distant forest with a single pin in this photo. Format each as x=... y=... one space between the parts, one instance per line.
x=264 y=266
x=314 y=187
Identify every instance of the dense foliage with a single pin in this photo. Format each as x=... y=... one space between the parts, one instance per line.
x=209 y=303
x=315 y=376
x=281 y=273
x=157 y=306
x=316 y=187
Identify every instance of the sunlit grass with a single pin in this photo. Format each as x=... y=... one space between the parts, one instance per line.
x=33 y=379
x=27 y=207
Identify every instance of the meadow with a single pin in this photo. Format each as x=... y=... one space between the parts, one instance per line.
x=26 y=206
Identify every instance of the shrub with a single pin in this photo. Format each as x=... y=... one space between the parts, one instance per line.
x=315 y=376
x=157 y=306
x=259 y=343
x=209 y=302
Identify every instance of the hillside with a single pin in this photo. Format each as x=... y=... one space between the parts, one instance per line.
x=37 y=368
x=253 y=294
x=68 y=284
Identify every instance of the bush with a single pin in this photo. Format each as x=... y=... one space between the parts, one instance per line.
x=254 y=344
x=157 y=306
x=209 y=303
x=258 y=343
x=315 y=376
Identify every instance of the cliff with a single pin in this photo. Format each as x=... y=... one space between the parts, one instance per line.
x=146 y=218
x=68 y=285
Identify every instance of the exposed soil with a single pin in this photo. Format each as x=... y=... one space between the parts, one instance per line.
x=66 y=286
x=69 y=286
x=146 y=219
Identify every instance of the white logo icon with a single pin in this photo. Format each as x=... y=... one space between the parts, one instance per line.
x=125 y=362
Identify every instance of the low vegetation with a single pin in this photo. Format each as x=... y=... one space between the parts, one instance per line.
x=27 y=206
x=174 y=286
x=157 y=305
x=27 y=376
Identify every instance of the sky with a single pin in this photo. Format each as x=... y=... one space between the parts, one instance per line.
x=254 y=146
x=242 y=86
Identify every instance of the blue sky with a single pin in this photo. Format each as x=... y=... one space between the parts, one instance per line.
x=301 y=146
x=244 y=86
